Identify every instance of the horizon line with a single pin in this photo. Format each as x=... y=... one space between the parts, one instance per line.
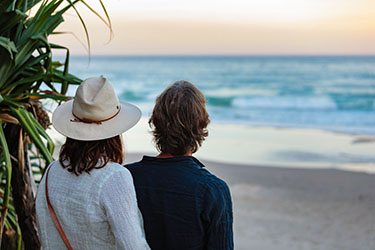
x=219 y=55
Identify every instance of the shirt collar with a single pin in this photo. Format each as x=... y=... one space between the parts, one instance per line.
x=176 y=159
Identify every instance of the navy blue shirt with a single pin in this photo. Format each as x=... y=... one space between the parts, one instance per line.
x=183 y=205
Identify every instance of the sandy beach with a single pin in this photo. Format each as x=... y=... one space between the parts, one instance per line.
x=292 y=189
x=294 y=209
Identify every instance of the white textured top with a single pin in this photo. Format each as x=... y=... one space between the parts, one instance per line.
x=96 y=211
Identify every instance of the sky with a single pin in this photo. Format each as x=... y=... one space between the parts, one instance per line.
x=225 y=27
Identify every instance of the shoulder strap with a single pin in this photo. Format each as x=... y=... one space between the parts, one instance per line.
x=53 y=215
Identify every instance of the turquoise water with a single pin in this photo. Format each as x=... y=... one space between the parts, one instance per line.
x=335 y=93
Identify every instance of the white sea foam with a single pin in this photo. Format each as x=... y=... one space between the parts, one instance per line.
x=285 y=102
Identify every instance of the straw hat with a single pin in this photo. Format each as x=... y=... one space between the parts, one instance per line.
x=95 y=113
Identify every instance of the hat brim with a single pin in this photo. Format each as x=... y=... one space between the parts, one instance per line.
x=62 y=118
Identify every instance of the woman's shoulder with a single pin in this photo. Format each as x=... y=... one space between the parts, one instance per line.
x=116 y=169
x=115 y=172
x=113 y=175
x=117 y=179
x=109 y=169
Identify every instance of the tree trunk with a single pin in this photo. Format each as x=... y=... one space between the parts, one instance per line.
x=23 y=188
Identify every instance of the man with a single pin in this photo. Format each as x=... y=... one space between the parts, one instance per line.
x=184 y=206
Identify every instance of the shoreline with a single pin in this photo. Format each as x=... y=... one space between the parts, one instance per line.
x=267 y=147
x=291 y=127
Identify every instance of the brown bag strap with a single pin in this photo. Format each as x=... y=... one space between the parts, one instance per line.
x=54 y=217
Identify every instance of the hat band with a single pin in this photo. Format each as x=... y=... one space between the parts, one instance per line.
x=84 y=120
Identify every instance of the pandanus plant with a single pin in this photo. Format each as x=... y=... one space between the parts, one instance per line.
x=28 y=75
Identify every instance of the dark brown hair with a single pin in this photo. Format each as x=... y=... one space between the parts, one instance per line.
x=179 y=119
x=83 y=156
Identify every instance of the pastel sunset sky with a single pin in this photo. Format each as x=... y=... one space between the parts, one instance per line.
x=226 y=27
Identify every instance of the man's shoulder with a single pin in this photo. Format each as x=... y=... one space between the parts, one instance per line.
x=193 y=172
x=133 y=165
x=210 y=179
x=213 y=183
x=209 y=182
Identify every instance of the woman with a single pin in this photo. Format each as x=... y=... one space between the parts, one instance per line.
x=86 y=199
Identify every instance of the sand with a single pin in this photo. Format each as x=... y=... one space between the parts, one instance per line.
x=292 y=189
x=295 y=209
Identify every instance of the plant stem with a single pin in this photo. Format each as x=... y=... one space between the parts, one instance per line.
x=8 y=174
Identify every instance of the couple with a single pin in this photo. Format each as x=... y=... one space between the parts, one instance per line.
x=88 y=200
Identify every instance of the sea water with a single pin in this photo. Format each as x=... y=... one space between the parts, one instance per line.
x=334 y=93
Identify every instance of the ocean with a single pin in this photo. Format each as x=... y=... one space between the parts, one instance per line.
x=334 y=93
